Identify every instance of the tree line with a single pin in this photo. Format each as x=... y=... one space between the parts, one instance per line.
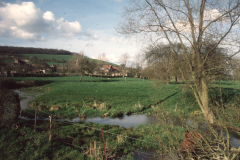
x=29 y=50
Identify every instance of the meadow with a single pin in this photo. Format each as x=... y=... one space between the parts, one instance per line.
x=68 y=97
x=113 y=97
x=49 y=56
x=59 y=57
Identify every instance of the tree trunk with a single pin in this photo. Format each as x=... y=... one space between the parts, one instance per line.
x=205 y=105
x=176 y=79
x=81 y=78
x=168 y=79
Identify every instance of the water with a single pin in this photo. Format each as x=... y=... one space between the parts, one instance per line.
x=24 y=102
x=135 y=120
x=125 y=121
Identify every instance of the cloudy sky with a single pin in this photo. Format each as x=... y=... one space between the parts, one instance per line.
x=75 y=25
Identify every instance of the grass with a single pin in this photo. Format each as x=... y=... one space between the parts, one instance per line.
x=49 y=56
x=113 y=96
x=22 y=142
x=70 y=98
x=59 y=57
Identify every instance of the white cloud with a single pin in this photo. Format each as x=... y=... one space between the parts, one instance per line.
x=90 y=44
x=68 y=28
x=113 y=39
x=26 y=21
x=210 y=15
x=49 y=16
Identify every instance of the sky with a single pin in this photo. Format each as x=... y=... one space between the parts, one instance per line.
x=76 y=25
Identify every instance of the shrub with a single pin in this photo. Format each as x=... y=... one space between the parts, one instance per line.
x=9 y=107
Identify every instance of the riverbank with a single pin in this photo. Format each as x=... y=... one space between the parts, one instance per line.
x=142 y=137
x=154 y=133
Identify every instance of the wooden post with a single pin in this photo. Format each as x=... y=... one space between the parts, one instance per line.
x=35 y=119
x=104 y=145
x=95 y=149
x=161 y=151
x=90 y=149
x=50 y=135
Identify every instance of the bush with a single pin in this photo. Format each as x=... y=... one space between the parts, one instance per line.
x=9 y=107
x=8 y=84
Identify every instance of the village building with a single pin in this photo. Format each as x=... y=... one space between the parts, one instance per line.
x=114 y=71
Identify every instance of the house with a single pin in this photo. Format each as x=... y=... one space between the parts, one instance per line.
x=37 y=72
x=19 y=62
x=6 y=73
x=110 y=68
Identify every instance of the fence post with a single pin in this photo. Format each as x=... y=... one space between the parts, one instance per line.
x=104 y=145
x=50 y=135
x=35 y=119
x=161 y=151
x=95 y=149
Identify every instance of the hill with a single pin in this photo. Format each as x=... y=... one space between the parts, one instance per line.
x=8 y=50
x=51 y=56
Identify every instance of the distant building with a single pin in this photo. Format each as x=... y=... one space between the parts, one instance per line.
x=6 y=73
x=19 y=62
x=37 y=72
x=110 y=68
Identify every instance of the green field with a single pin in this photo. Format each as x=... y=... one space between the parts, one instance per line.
x=49 y=56
x=113 y=97
x=116 y=97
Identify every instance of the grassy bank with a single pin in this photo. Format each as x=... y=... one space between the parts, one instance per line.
x=67 y=96
x=73 y=141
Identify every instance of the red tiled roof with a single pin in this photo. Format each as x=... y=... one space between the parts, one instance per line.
x=115 y=68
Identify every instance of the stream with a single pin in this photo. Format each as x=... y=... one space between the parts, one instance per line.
x=131 y=121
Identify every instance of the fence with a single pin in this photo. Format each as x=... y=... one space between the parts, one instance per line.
x=92 y=150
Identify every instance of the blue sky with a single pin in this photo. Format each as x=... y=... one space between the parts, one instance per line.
x=75 y=25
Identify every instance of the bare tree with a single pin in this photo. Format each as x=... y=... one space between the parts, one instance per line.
x=139 y=62
x=81 y=64
x=163 y=61
x=190 y=23
x=124 y=60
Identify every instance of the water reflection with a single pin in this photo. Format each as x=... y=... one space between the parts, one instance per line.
x=125 y=121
